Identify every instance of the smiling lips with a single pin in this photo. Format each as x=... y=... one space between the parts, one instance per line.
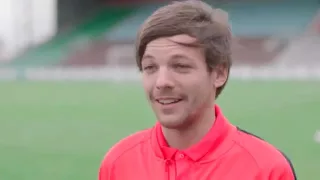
x=168 y=100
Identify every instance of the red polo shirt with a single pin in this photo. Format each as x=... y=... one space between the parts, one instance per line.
x=225 y=153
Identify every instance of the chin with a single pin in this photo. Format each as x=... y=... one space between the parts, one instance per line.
x=170 y=125
x=173 y=123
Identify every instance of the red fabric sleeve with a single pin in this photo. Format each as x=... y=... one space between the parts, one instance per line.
x=105 y=170
x=280 y=171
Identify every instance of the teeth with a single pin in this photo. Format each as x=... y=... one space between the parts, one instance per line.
x=168 y=101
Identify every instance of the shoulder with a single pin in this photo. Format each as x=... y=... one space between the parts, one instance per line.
x=123 y=147
x=126 y=144
x=267 y=157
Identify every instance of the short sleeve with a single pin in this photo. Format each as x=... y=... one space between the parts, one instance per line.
x=106 y=169
x=283 y=171
x=279 y=171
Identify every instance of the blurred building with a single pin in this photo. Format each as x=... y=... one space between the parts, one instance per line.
x=100 y=33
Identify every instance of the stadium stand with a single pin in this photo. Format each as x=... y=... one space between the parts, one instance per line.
x=259 y=28
x=52 y=53
x=248 y=19
x=262 y=31
x=302 y=51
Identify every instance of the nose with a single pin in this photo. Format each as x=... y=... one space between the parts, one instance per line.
x=164 y=79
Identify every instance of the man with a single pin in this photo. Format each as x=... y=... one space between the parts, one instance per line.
x=184 y=55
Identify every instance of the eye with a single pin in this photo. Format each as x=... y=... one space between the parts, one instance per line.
x=149 y=68
x=182 y=67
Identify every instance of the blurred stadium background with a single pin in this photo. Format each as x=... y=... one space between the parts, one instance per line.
x=69 y=88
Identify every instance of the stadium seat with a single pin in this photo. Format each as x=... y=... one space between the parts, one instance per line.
x=248 y=19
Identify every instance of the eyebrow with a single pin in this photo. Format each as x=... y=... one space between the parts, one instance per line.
x=175 y=56
x=147 y=56
x=180 y=56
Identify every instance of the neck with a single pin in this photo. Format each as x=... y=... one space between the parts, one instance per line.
x=188 y=136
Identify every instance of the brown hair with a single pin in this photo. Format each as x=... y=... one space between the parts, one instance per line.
x=197 y=19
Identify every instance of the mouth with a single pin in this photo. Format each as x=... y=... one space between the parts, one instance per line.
x=168 y=101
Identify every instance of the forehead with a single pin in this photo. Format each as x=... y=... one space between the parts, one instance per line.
x=169 y=47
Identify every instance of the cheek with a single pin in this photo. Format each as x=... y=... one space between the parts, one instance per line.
x=201 y=92
x=147 y=86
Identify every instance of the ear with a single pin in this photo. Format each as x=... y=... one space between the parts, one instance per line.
x=221 y=75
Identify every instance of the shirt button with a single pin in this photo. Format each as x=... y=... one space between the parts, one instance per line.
x=181 y=156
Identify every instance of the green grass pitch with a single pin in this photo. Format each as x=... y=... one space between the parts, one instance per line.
x=61 y=131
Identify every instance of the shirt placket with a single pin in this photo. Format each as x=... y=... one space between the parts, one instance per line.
x=181 y=164
x=170 y=169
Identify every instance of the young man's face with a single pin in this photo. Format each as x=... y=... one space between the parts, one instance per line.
x=177 y=82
